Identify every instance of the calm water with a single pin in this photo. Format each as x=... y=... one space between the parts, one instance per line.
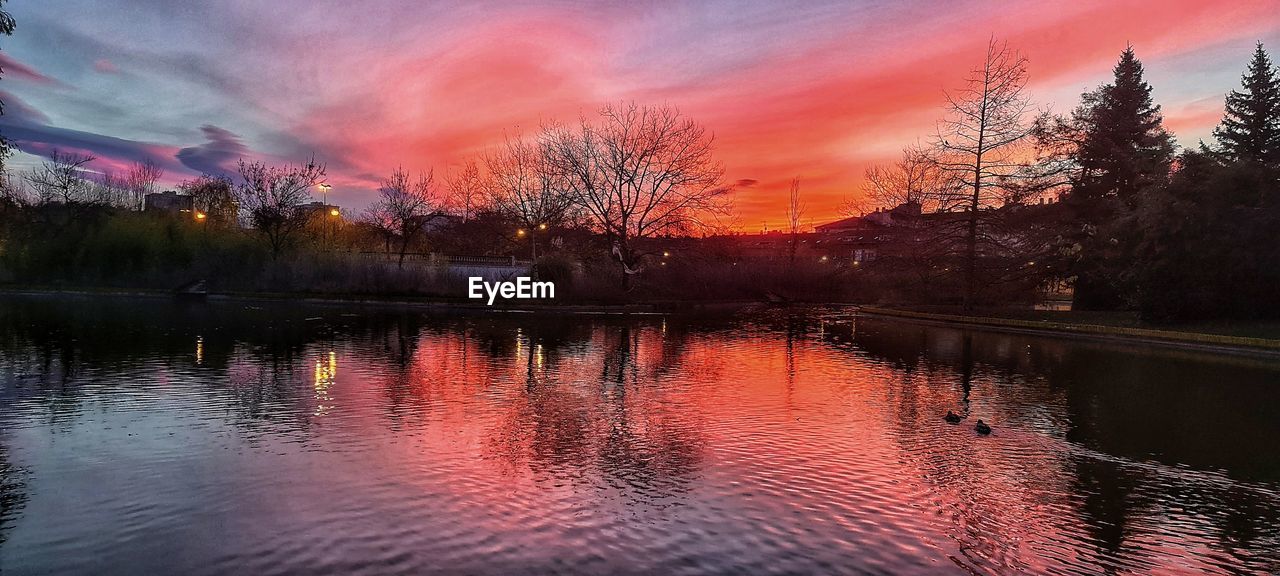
x=144 y=436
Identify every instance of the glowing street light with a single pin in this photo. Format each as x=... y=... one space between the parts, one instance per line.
x=520 y=232
x=334 y=212
x=542 y=226
x=201 y=216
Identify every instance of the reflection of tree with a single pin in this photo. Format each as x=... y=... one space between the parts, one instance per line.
x=1124 y=437
x=563 y=427
x=254 y=355
x=12 y=492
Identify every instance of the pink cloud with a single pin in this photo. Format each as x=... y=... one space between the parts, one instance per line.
x=799 y=89
x=105 y=66
x=15 y=69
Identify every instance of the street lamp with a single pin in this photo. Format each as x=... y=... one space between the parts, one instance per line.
x=324 y=201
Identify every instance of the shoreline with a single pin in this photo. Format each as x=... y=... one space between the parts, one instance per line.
x=428 y=303
x=1188 y=340
x=1192 y=340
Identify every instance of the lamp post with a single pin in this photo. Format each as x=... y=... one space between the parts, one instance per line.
x=532 y=233
x=201 y=220
x=324 y=204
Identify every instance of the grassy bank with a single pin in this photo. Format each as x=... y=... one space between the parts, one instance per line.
x=558 y=306
x=1252 y=335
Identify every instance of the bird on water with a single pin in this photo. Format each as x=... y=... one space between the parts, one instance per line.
x=982 y=427
x=952 y=417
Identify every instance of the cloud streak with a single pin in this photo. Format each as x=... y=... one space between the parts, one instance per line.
x=816 y=89
x=217 y=155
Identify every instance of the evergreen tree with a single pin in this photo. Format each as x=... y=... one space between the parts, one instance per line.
x=7 y=25
x=1250 y=129
x=1124 y=146
x=1121 y=150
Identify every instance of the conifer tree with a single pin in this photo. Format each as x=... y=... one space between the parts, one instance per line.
x=1124 y=146
x=1121 y=150
x=1250 y=129
x=7 y=25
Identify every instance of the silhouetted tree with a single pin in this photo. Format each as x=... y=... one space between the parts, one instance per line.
x=795 y=210
x=640 y=172
x=525 y=187
x=916 y=177
x=272 y=199
x=214 y=197
x=1121 y=148
x=466 y=190
x=61 y=179
x=1250 y=129
x=7 y=26
x=981 y=143
x=1207 y=243
x=1123 y=145
x=405 y=206
x=378 y=219
x=140 y=180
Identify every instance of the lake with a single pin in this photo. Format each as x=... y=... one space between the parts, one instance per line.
x=142 y=436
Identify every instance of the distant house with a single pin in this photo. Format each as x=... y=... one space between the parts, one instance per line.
x=869 y=236
x=905 y=230
x=167 y=202
x=320 y=209
x=440 y=222
x=905 y=214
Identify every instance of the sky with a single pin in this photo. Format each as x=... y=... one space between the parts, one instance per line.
x=789 y=88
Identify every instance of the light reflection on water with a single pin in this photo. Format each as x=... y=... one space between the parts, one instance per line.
x=770 y=441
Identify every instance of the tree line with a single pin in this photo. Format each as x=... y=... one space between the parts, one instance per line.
x=1132 y=222
x=627 y=174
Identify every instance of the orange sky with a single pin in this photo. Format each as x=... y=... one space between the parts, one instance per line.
x=806 y=89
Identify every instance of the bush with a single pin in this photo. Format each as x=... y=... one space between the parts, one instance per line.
x=555 y=268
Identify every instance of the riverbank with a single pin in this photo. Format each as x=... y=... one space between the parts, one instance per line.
x=650 y=307
x=1121 y=327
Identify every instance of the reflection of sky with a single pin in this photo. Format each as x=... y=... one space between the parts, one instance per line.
x=618 y=445
x=816 y=89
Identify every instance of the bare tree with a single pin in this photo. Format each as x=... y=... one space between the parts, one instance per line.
x=140 y=180
x=466 y=190
x=795 y=211
x=106 y=189
x=14 y=190
x=61 y=179
x=7 y=26
x=379 y=219
x=640 y=172
x=915 y=178
x=212 y=198
x=982 y=142
x=272 y=199
x=405 y=207
x=524 y=186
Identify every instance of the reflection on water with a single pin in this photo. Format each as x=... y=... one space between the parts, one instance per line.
x=326 y=372
x=770 y=441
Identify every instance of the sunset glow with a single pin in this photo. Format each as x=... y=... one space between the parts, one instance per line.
x=818 y=91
